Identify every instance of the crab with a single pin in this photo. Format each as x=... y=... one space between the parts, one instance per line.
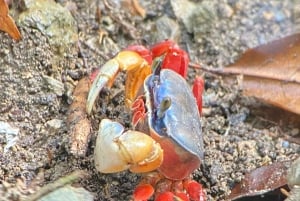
x=166 y=144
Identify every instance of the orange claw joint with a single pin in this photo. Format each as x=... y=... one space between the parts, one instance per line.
x=137 y=70
x=142 y=51
x=117 y=150
x=175 y=59
x=198 y=88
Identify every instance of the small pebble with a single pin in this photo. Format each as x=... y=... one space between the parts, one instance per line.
x=285 y=144
x=55 y=123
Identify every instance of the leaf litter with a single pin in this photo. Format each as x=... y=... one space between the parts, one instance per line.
x=271 y=72
x=7 y=22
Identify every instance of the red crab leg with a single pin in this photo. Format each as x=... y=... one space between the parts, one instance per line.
x=198 y=88
x=175 y=58
x=169 y=196
x=162 y=47
x=194 y=190
x=145 y=189
x=143 y=192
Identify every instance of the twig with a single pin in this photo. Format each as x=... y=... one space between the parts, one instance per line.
x=77 y=120
x=227 y=130
x=85 y=63
x=139 y=9
x=74 y=176
x=218 y=71
x=133 y=32
x=194 y=65
x=106 y=4
x=292 y=139
x=284 y=192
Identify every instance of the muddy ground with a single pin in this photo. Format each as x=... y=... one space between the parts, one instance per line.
x=237 y=140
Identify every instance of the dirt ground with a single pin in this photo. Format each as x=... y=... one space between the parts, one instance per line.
x=237 y=140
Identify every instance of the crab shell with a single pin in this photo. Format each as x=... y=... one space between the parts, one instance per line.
x=178 y=130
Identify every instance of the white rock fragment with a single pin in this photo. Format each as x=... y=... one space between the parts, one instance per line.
x=55 y=85
x=55 y=123
x=11 y=134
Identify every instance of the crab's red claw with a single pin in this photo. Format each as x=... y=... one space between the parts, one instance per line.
x=184 y=63
x=142 y=51
x=176 y=60
x=162 y=47
x=198 y=88
x=143 y=192
x=195 y=191
x=172 y=60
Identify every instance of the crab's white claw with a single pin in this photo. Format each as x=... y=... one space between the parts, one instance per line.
x=117 y=151
x=106 y=75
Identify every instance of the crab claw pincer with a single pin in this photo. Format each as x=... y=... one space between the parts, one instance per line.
x=137 y=70
x=117 y=150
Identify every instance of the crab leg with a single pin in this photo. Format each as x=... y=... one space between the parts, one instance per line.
x=198 y=88
x=106 y=73
x=137 y=69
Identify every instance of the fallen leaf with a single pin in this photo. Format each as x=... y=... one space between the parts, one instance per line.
x=271 y=72
x=62 y=190
x=69 y=193
x=293 y=179
x=261 y=180
x=293 y=174
x=7 y=23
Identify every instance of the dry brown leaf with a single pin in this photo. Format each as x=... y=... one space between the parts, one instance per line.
x=271 y=72
x=274 y=115
x=261 y=180
x=7 y=24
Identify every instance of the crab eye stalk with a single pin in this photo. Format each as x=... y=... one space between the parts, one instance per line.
x=157 y=65
x=163 y=107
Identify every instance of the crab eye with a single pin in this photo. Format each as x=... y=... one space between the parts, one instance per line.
x=164 y=106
